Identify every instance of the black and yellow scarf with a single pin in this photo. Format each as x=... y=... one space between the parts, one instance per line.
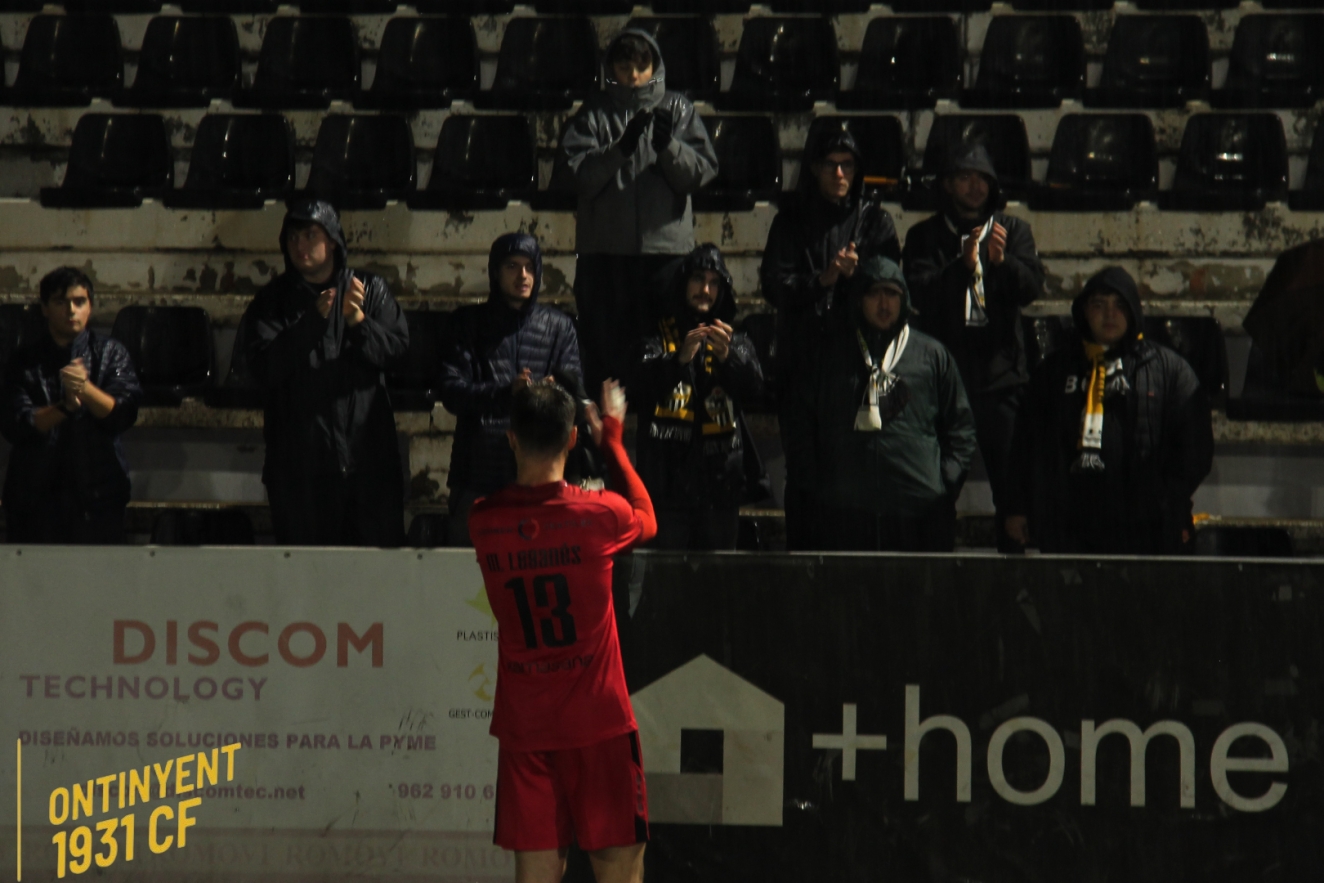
x=676 y=416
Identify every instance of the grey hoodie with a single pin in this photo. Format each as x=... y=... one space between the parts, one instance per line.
x=638 y=204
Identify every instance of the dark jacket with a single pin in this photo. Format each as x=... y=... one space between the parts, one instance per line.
x=991 y=356
x=806 y=235
x=487 y=345
x=1158 y=444
x=691 y=443
x=636 y=204
x=921 y=455
x=327 y=410
x=80 y=461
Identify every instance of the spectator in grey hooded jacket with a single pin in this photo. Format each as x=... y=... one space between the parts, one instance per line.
x=635 y=152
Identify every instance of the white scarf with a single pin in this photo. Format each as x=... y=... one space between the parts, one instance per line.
x=881 y=379
x=974 y=295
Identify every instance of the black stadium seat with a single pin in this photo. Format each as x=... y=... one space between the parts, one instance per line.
x=138 y=7
x=1198 y=340
x=1229 y=162
x=1311 y=196
x=1002 y=135
x=1153 y=61
x=1029 y=61
x=545 y=64
x=228 y=7
x=1275 y=62
x=704 y=7
x=481 y=163
x=906 y=63
x=749 y=164
x=881 y=143
x=67 y=60
x=185 y=62
x=823 y=7
x=171 y=348
x=1044 y=335
x=784 y=64
x=239 y=389
x=1166 y=5
x=689 y=48
x=239 y=161
x=306 y=61
x=116 y=161
x=202 y=527
x=413 y=380
x=1099 y=162
x=362 y=161
x=464 y=7
x=424 y=63
x=966 y=6
x=583 y=7
x=347 y=7
x=1061 y=5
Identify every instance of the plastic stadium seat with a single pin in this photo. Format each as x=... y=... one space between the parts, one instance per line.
x=424 y=63
x=239 y=161
x=171 y=348
x=966 y=6
x=1229 y=162
x=1044 y=335
x=583 y=7
x=202 y=527
x=1166 y=5
x=544 y=64
x=824 y=7
x=231 y=7
x=347 y=7
x=68 y=60
x=1198 y=340
x=689 y=48
x=784 y=64
x=704 y=7
x=481 y=163
x=20 y=325
x=1099 y=162
x=21 y=5
x=185 y=62
x=1061 y=5
x=749 y=164
x=1311 y=196
x=1003 y=135
x=1243 y=542
x=305 y=62
x=363 y=161
x=1029 y=61
x=881 y=144
x=762 y=331
x=464 y=7
x=412 y=382
x=428 y=530
x=239 y=389
x=1153 y=61
x=906 y=63
x=1275 y=62
x=116 y=161
x=113 y=6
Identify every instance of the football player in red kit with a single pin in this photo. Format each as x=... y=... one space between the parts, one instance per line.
x=569 y=767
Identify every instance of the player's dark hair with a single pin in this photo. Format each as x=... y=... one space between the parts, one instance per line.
x=61 y=280
x=633 y=49
x=541 y=416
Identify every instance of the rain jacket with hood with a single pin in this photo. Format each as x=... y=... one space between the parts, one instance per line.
x=691 y=443
x=1158 y=444
x=487 y=345
x=991 y=356
x=327 y=411
x=805 y=236
x=637 y=204
x=920 y=456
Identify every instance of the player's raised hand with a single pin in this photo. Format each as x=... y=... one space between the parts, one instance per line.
x=613 y=405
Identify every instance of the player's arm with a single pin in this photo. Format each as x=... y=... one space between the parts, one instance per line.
x=608 y=428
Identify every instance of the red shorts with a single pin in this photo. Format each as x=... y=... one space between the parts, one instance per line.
x=594 y=796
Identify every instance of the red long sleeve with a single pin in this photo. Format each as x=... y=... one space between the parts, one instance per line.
x=625 y=481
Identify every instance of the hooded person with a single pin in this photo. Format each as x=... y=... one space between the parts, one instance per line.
x=490 y=350
x=1113 y=438
x=317 y=340
x=696 y=374
x=635 y=152
x=972 y=268
x=877 y=431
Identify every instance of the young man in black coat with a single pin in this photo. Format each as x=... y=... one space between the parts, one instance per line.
x=1113 y=437
x=491 y=350
x=971 y=269
x=318 y=340
x=696 y=374
x=66 y=400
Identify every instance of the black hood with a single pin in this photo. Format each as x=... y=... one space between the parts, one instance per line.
x=975 y=158
x=834 y=137
x=643 y=97
x=319 y=212
x=1112 y=279
x=870 y=272
x=703 y=257
x=505 y=246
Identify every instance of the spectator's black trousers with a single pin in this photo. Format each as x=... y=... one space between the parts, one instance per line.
x=995 y=424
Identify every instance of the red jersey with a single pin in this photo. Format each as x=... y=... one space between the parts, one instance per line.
x=545 y=552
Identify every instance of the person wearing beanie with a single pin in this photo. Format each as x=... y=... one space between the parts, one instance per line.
x=878 y=434
x=696 y=375
x=1113 y=438
x=972 y=268
x=490 y=351
x=317 y=340
x=634 y=152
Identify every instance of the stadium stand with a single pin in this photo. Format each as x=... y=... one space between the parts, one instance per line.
x=784 y=64
x=545 y=64
x=1029 y=61
x=1099 y=162
x=203 y=527
x=413 y=382
x=306 y=62
x=1229 y=162
x=1153 y=61
x=171 y=348
x=1311 y=195
x=1274 y=63
x=481 y=163
x=67 y=60
x=689 y=48
x=238 y=162
x=362 y=161
x=906 y=63
x=185 y=62
x=424 y=63
x=749 y=164
x=116 y=161
x=1003 y=135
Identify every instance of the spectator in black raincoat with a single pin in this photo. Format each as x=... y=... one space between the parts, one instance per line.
x=1113 y=438
x=971 y=268
x=696 y=374
x=318 y=339
x=491 y=349
x=66 y=399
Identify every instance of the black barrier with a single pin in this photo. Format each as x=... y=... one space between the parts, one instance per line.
x=1055 y=664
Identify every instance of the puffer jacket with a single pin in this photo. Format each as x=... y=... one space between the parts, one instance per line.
x=487 y=346
x=83 y=451
x=327 y=409
x=637 y=204
x=689 y=456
